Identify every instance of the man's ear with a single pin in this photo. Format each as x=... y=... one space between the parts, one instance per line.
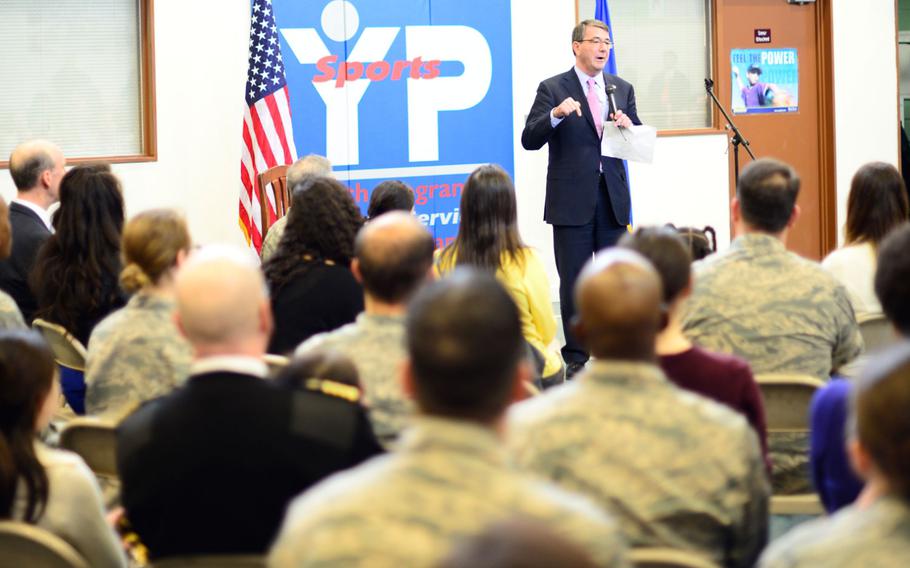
x=794 y=216
x=266 y=323
x=179 y=323
x=860 y=460
x=578 y=329
x=523 y=376
x=735 y=211
x=46 y=178
x=355 y=269
x=406 y=374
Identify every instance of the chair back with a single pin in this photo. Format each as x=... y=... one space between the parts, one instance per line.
x=226 y=561
x=877 y=332
x=274 y=182
x=68 y=351
x=668 y=558
x=22 y=544
x=95 y=441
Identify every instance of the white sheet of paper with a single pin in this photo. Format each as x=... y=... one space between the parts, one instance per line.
x=635 y=143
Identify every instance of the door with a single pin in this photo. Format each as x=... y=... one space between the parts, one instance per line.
x=796 y=127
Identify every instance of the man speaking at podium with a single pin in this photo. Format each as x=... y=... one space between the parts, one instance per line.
x=587 y=202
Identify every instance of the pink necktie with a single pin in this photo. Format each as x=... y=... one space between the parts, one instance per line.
x=594 y=105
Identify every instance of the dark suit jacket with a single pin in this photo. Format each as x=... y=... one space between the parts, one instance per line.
x=29 y=233
x=210 y=468
x=572 y=175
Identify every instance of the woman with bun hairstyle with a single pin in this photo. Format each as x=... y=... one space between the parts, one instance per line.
x=136 y=353
x=49 y=488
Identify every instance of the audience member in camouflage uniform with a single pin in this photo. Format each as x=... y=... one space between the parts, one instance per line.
x=780 y=312
x=677 y=469
x=872 y=531
x=310 y=165
x=136 y=353
x=393 y=257
x=10 y=316
x=450 y=478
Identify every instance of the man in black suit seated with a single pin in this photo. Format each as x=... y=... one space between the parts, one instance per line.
x=36 y=168
x=209 y=468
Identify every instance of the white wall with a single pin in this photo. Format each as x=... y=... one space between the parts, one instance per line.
x=200 y=73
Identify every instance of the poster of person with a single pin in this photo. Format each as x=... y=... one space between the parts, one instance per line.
x=764 y=80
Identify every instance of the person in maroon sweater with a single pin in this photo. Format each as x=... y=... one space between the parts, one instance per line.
x=724 y=378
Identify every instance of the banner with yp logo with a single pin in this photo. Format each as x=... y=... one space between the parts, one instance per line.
x=416 y=90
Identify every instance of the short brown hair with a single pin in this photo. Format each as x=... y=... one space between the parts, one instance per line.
x=877 y=203
x=151 y=241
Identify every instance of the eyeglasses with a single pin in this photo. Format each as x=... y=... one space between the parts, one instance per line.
x=598 y=42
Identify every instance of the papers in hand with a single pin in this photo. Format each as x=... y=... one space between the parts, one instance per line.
x=635 y=143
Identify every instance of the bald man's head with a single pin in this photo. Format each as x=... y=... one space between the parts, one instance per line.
x=618 y=301
x=222 y=305
x=37 y=167
x=393 y=255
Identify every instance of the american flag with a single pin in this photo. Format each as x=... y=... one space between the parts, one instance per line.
x=268 y=139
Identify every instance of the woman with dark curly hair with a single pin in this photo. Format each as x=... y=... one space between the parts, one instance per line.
x=309 y=276
x=75 y=275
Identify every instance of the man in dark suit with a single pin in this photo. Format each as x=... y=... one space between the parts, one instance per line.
x=587 y=201
x=36 y=168
x=209 y=468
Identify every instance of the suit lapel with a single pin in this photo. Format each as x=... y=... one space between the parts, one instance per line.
x=573 y=85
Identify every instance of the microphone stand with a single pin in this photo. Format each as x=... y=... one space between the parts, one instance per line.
x=738 y=138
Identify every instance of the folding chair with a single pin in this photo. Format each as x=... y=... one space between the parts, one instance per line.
x=238 y=561
x=22 y=544
x=69 y=353
x=668 y=558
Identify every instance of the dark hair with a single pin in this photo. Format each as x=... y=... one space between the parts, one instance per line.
x=26 y=376
x=879 y=409
x=700 y=242
x=667 y=252
x=754 y=69
x=892 y=278
x=25 y=175
x=392 y=271
x=75 y=275
x=390 y=195
x=322 y=223
x=877 y=203
x=767 y=193
x=464 y=341
x=325 y=365
x=489 y=222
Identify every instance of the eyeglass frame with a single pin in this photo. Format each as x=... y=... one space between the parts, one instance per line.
x=597 y=41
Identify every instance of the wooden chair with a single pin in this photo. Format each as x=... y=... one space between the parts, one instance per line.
x=668 y=558
x=276 y=180
x=22 y=544
x=68 y=351
x=95 y=440
x=787 y=399
x=235 y=561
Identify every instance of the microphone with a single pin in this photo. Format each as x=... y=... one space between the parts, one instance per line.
x=611 y=99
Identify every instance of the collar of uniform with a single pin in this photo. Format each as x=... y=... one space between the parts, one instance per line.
x=441 y=434
x=758 y=244
x=624 y=372
x=145 y=301
x=231 y=363
x=39 y=211
x=375 y=320
x=583 y=77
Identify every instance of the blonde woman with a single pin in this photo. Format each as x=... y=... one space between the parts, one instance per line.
x=136 y=353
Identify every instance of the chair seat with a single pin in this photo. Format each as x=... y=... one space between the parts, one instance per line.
x=22 y=544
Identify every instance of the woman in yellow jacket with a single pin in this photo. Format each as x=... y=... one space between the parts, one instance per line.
x=488 y=239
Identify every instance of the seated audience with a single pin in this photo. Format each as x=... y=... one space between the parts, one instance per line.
x=778 y=311
x=724 y=378
x=309 y=275
x=49 y=488
x=390 y=195
x=874 y=530
x=75 y=277
x=210 y=467
x=678 y=470
x=836 y=483
x=449 y=478
x=488 y=239
x=36 y=168
x=310 y=165
x=877 y=203
x=10 y=316
x=393 y=256
x=136 y=353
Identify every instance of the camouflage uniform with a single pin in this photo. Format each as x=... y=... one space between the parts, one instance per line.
x=783 y=314
x=10 y=316
x=449 y=480
x=376 y=346
x=272 y=238
x=677 y=470
x=135 y=354
x=873 y=536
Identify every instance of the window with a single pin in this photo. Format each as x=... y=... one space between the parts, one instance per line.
x=77 y=72
x=663 y=48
